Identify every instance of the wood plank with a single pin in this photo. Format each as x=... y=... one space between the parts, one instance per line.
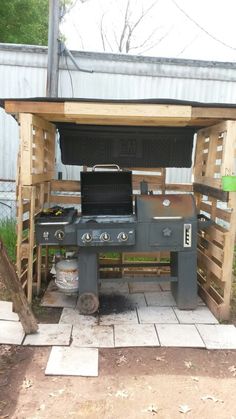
x=208 y=112
x=22 y=106
x=65 y=185
x=211 y=249
x=65 y=199
x=208 y=181
x=31 y=246
x=124 y=110
x=210 y=191
x=219 y=310
x=206 y=262
x=12 y=283
x=181 y=187
x=26 y=148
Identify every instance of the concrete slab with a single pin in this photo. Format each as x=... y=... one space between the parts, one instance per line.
x=165 y=286
x=218 y=336
x=73 y=361
x=136 y=300
x=6 y=306
x=9 y=315
x=110 y=287
x=50 y=334
x=160 y=299
x=153 y=315
x=126 y=317
x=179 y=335
x=145 y=286
x=93 y=336
x=135 y=335
x=202 y=314
x=200 y=301
x=11 y=332
x=73 y=317
x=58 y=299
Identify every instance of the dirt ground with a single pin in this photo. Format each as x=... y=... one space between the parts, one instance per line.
x=132 y=383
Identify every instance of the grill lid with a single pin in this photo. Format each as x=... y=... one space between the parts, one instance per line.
x=106 y=193
x=162 y=207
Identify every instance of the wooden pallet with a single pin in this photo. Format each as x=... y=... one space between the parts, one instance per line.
x=37 y=149
x=215 y=154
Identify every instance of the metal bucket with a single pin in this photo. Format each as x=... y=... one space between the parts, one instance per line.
x=67 y=276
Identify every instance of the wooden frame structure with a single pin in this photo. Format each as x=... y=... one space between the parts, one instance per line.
x=215 y=154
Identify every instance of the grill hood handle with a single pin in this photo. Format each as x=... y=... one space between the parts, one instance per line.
x=107 y=166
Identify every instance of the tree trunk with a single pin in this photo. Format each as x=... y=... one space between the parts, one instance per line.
x=12 y=283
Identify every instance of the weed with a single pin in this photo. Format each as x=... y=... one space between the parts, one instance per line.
x=8 y=236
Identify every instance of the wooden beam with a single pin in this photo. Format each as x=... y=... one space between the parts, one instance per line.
x=12 y=283
x=127 y=113
x=22 y=106
x=218 y=113
x=210 y=191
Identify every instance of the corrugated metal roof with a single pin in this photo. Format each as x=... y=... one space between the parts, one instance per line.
x=23 y=74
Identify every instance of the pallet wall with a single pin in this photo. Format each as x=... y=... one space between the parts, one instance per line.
x=215 y=157
x=36 y=165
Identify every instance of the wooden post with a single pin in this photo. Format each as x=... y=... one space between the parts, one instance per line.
x=12 y=283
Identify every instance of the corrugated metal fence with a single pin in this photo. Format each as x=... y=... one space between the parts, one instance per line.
x=23 y=74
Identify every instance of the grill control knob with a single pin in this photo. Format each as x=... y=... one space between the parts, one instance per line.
x=59 y=235
x=86 y=238
x=122 y=237
x=105 y=237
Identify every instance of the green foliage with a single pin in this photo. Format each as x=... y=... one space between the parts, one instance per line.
x=24 y=21
x=8 y=236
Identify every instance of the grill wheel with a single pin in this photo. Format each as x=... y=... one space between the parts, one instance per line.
x=88 y=303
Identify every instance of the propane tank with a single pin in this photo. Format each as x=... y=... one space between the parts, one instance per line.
x=67 y=275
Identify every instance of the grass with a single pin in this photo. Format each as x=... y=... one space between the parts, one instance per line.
x=8 y=236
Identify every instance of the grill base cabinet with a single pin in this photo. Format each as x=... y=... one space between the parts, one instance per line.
x=158 y=223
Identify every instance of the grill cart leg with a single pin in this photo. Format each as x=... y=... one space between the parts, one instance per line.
x=88 y=282
x=184 y=266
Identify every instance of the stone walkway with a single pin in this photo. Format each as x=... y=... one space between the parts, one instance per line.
x=140 y=315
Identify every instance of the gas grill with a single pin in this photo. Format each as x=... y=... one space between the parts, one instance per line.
x=111 y=220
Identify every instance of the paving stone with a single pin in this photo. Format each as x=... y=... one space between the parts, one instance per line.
x=200 y=301
x=58 y=299
x=73 y=361
x=93 y=336
x=110 y=287
x=129 y=317
x=165 y=286
x=136 y=300
x=6 y=306
x=160 y=299
x=11 y=332
x=200 y=315
x=9 y=315
x=128 y=335
x=73 y=317
x=50 y=334
x=153 y=315
x=145 y=286
x=218 y=336
x=179 y=335
x=6 y=312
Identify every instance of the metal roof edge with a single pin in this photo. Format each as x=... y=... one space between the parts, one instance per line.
x=122 y=57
